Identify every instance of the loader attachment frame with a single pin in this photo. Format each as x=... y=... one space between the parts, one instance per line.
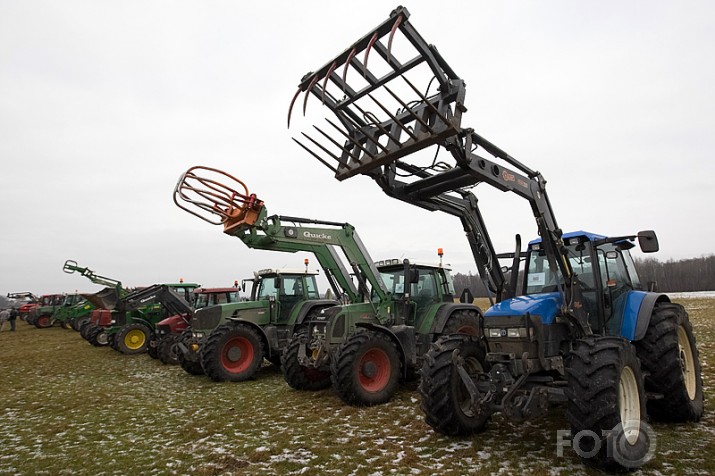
x=387 y=112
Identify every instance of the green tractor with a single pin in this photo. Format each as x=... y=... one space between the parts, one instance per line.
x=134 y=319
x=230 y=341
x=74 y=307
x=367 y=343
x=582 y=331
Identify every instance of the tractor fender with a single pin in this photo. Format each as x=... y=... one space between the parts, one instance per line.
x=139 y=320
x=309 y=306
x=445 y=312
x=636 y=330
x=404 y=338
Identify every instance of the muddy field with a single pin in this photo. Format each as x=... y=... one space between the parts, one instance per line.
x=69 y=408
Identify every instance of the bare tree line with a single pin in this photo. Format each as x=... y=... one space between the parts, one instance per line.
x=695 y=274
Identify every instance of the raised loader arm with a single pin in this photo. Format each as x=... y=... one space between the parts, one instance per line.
x=394 y=95
x=157 y=293
x=71 y=267
x=244 y=216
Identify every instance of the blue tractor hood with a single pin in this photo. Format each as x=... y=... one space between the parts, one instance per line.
x=545 y=306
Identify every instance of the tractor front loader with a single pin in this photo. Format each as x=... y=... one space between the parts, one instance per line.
x=583 y=332
x=81 y=314
x=230 y=341
x=28 y=302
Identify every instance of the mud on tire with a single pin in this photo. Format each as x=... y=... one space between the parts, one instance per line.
x=444 y=399
x=606 y=393
x=365 y=369
x=192 y=366
x=669 y=355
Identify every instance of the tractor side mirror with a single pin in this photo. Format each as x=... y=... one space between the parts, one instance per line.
x=414 y=275
x=277 y=283
x=648 y=241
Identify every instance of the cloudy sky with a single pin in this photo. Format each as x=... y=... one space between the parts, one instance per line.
x=103 y=105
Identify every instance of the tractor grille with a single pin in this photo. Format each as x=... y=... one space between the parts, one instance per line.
x=206 y=319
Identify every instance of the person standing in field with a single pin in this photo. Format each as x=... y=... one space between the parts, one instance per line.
x=13 y=317
x=4 y=317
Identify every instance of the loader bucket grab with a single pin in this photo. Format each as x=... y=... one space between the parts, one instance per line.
x=107 y=298
x=407 y=99
x=217 y=203
x=70 y=266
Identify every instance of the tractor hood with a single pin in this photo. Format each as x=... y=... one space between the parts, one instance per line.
x=545 y=306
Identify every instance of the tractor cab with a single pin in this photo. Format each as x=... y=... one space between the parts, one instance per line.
x=415 y=286
x=284 y=288
x=611 y=292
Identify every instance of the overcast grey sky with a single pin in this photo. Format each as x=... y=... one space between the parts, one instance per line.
x=104 y=104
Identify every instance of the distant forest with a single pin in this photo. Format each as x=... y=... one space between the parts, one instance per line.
x=696 y=274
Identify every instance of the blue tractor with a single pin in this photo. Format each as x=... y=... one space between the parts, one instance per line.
x=580 y=329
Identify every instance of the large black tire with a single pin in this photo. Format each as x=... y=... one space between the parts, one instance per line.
x=464 y=321
x=78 y=322
x=191 y=364
x=85 y=328
x=167 y=350
x=152 y=349
x=606 y=394
x=295 y=374
x=232 y=352
x=97 y=336
x=365 y=369
x=444 y=398
x=670 y=357
x=132 y=339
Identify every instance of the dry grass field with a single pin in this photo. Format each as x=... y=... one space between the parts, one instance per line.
x=69 y=408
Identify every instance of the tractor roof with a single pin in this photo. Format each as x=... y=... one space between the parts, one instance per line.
x=284 y=271
x=574 y=234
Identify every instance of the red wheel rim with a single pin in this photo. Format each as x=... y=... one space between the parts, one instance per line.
x=237 y=354
x=44 y=321
x=374 y=370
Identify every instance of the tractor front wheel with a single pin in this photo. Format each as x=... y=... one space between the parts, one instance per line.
x=445 y=399
x=97 y=336
x=366 y=369
x=189 y=360
x=167 y=351
x=464 y=322
x=670 y=357
x=606 y=403
x=298 y=376
x=132 y=339
x=232 y=352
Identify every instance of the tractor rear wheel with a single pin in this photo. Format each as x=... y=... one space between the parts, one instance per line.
x=298 y=376
x=167 y=351
x=77 y=323
x=232 y=352
x=44 y=321
x=191 y=363
x=670 y=357
x=132 y=339
x=365 y=370
x=445 y=400
x=606 y=403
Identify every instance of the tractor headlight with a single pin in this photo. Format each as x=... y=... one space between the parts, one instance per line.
x=497 y=332
x=516 y=332
x=198 y=335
